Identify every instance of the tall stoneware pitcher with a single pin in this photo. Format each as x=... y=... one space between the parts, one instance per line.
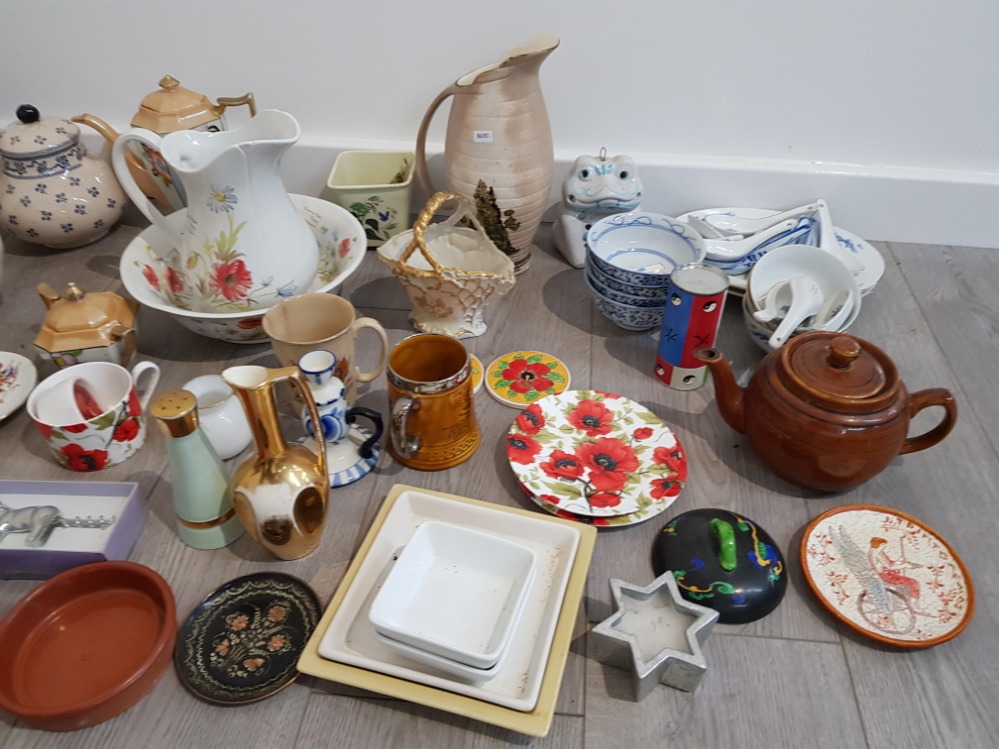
x=241 y=244
x=498 y=148
x=280 y=492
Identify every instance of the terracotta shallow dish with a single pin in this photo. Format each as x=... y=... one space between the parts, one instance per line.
x=86 y=645
x=887 y=576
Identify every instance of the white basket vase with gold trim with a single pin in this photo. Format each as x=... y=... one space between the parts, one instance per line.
x=455 y=274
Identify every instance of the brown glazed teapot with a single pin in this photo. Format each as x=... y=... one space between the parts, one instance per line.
x=827 y=411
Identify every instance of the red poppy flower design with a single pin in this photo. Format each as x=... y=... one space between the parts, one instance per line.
x=44 y=429
x=531 y=420
x=126 y=431
x=250 y=323
x=591 y=417
x=663 y=488
x=563 y=465
x=343 y=248
x=549 y=498
x=522 y=449
x=672 y=458
x=524 y=377
x=605 y=499
x=174 y=281
x=134 y=409
x=232 y=280
x=85 y=460
x=610 y=461
x=150 y=275
x=642 y=433
x=75 y=428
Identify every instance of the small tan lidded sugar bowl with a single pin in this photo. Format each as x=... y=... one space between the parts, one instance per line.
x=80 y=327
x=51 y=192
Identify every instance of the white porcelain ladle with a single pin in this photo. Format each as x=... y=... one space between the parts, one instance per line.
x=729 y=250
x=728 y=224
x=708 y=231
x=804 y=298
x=829 y=243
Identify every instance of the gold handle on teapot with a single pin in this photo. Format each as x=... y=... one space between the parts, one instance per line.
x=237 y=101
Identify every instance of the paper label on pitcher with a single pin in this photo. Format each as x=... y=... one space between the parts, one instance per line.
x=482 y=136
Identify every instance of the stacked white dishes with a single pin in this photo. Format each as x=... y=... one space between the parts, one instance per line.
x=453 y=598
x=629 y=258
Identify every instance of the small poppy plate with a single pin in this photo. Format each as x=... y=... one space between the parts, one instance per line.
x=597 y=454
x=887 y=576
x=522 y=377
x=17 y=379
x=242 y=643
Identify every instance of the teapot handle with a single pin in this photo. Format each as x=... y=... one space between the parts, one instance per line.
x=119 y=161
x=924 y=399
x=422 y=172
x=238 y=101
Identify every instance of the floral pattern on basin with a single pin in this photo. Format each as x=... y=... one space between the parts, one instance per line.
x=590 y=453
x=218 y=279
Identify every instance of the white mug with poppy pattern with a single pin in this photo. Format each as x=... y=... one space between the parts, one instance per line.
x=91 y=414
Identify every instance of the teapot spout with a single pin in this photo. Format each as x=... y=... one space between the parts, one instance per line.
x=728 y=394
x=109 y=133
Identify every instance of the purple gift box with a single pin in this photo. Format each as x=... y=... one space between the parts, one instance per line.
x=98 y=521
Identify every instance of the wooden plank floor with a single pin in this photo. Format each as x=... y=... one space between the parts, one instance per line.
x=794 y=678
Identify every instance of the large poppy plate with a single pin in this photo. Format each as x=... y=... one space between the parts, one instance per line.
x=612 y=521
x=596 y=454
x=886 y=575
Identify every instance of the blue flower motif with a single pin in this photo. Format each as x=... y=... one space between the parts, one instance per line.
x=66 y=227
x=46 y=215
x=42 y=188
x=222 y=200
x=80 y=209
x=61 y=197
x=93 y=192
x=25 y=201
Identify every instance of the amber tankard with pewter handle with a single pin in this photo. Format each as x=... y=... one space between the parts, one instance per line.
x=430 y=399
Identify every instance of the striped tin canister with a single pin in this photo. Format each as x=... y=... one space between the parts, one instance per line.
x=693 y=313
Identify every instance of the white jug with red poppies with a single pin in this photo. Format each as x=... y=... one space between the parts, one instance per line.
x=240 y=244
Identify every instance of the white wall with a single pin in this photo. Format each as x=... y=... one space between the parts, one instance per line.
x=887 y=108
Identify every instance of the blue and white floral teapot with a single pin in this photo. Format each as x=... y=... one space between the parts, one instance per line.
x=241 y=244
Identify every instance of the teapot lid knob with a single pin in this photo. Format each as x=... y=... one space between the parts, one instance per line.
x=28 y=114
x=843 y=351
x=73 y=293
x=169 y=82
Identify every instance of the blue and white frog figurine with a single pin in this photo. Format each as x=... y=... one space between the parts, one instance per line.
x=597 y=186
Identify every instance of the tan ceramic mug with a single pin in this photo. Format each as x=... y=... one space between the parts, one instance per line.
x=320 y=321
x=430 y=402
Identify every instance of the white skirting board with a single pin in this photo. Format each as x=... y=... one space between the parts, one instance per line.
x=878 y=203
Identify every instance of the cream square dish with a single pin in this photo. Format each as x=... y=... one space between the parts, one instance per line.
x=456 y=592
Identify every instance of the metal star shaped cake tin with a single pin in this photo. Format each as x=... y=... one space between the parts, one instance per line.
x=655 y=634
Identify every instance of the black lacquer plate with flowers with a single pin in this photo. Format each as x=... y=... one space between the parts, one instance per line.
x=241 y=644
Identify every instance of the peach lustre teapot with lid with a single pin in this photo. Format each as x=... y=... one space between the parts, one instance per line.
x=168 y=109
x=827 y=411
x=81 y=327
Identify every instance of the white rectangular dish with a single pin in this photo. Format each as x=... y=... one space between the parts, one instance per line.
x=455 y=592
x=522 y=696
